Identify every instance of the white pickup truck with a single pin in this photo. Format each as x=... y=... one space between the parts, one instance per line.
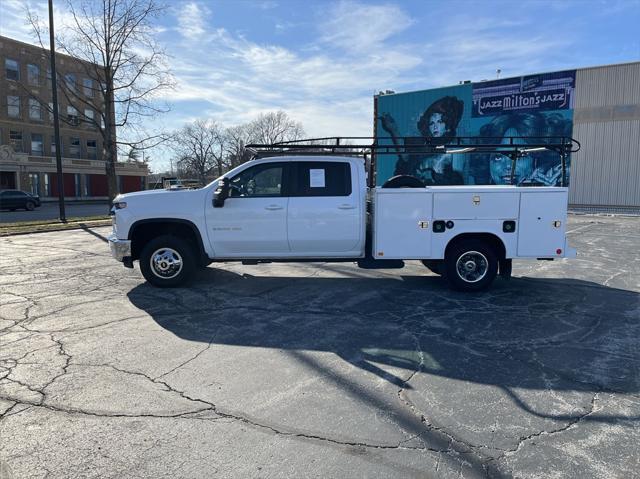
x=302 y=207
x=319 y=208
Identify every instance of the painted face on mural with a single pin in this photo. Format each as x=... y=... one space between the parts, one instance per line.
x=501 y=169
x=500 y=166
x=437 y=126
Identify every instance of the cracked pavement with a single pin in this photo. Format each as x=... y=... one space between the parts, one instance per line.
x=319 y=370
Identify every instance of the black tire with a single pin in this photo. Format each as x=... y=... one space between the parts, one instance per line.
x=167 y=251
x=470 y=265
x=403 y=181
x=436 y=266
x=30 y=206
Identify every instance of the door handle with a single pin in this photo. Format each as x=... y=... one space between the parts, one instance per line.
x=347 y=207
x=273 y=207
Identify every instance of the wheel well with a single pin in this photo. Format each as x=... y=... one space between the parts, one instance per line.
x=494 y=241
x=144 y=231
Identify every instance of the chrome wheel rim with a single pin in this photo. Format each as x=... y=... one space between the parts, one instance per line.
x=472 y=266
x=166 y=263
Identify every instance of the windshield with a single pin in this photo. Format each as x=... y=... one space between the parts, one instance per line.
x=229 y=173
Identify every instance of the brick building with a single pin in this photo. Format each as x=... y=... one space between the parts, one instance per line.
x=27 y=144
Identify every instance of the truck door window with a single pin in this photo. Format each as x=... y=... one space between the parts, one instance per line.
x=258 y=181
x=322 y=178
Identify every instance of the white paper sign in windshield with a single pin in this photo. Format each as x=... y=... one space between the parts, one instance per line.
x=316 y=178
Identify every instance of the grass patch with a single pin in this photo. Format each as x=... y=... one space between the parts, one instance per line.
x=55 y=221
x=42 y=226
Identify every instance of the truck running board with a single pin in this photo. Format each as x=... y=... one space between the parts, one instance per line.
x=370 y=263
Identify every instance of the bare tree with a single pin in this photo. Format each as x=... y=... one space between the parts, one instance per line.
x=203 y=148
x=274 y=127
x=200 y=148
x=125 y=68
x=134 y=155
x=238 y=137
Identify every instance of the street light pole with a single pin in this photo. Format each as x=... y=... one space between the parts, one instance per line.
x=56 y=116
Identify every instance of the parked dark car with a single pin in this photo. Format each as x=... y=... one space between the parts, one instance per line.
x=14 y=199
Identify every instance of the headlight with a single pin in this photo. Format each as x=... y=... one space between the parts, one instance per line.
x=119 y=204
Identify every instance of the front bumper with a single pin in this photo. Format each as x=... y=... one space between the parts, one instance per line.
x=120 y=249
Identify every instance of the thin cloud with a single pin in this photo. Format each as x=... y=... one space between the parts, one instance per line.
x=191 y=19
x=362 y=28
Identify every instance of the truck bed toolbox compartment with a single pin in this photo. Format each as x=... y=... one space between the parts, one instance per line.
x=402 y=224
x=479 y=205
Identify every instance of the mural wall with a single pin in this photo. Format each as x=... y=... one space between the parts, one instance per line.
x=534 y=105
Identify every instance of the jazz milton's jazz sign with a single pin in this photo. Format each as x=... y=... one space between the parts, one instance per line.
x=550 y=91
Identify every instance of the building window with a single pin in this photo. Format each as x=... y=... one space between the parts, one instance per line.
x=11 y=69
x=88 y=114
x=13 y=106
x=35 y=110
x=70 y=81
x=33 y=75
x=47 y=184
x=87 y=87
x=34 y=180
x=53 y=145
x=92 y=148
x=49 y=77
x=74 y=148
x=72 y=115
x=15 y=140
x=37 y=144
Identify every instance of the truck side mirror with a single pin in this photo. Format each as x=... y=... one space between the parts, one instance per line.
x=221 y=193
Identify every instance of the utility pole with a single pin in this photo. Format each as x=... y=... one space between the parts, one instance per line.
x=56 y=117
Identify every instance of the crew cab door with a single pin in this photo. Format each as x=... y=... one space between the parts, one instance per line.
x=325 y=215
x=253 y=220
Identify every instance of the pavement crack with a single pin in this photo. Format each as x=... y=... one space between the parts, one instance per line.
x=523 y=439
x=187 y=361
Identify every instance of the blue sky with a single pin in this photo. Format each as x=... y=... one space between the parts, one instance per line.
x=322 y=61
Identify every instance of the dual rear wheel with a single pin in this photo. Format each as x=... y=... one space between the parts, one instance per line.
x=469 y=265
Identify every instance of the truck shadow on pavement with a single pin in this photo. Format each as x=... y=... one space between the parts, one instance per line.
x=540 y=344
x=525 y=334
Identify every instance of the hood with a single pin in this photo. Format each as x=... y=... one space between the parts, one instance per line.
x=146 y=193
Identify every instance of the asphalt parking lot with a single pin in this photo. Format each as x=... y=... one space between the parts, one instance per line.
x=319 y=370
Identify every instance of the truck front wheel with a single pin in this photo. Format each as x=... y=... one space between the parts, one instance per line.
x=167 y=261
x=471 y=265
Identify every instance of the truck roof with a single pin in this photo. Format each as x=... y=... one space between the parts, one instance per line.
x=332 y=157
